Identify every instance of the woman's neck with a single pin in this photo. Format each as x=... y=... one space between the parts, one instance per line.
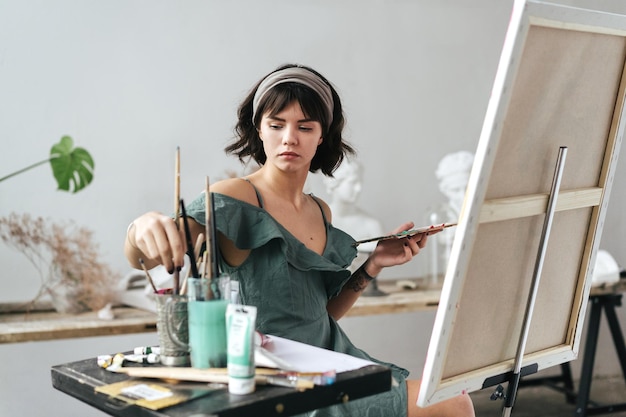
x=288 y=187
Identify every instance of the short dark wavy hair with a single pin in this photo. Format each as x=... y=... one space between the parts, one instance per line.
x=331 y=151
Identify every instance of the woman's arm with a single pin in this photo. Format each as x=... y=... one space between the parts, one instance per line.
x=155 y=238
x=387 y=253
x=338 y=306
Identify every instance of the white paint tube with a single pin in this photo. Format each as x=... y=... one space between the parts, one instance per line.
x=146 y=350
x=240 y=327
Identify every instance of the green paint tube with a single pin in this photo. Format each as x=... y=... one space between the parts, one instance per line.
x=240 y=326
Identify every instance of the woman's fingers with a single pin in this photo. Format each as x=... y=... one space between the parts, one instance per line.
x=159 y=238
x=171 y=245
x=420 y=240
x=403 y=228
x=392 y=252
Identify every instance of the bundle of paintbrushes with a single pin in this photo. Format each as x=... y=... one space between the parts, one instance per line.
x=199 y=260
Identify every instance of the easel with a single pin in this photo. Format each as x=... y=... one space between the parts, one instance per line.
x=514 y=379
x=599 y=302
x=547 y=94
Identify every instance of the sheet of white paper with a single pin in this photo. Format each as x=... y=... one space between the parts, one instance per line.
x=306 y=358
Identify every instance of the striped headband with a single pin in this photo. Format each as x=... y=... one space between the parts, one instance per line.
x=295 y=75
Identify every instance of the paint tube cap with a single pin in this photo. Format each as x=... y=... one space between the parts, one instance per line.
x=241 y=386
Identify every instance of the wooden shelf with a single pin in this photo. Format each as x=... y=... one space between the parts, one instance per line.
x=49 y=325
x=45 y=324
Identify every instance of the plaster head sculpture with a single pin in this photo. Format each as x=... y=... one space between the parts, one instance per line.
x=453 y=174
x=346 y=184
x=345 y=188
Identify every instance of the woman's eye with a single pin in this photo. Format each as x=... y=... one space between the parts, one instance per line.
x=306 y=128
x=275 y=126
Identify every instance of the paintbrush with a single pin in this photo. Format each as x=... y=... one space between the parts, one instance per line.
x=209 y=268
x=190 y=247
x=143 y=266
x=208 y=265
x=177 y=183
x=198 y=247
x=177 y=211
x=212 y=249
x=408 y=233
x=215 y=247
x=216 y=375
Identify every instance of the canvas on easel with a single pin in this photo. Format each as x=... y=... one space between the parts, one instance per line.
x=560 y=83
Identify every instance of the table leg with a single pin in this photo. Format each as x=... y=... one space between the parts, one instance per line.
x=586 y=376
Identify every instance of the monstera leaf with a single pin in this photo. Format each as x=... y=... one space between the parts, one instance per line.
x=72 y=167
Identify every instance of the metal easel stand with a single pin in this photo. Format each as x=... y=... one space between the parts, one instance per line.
x=585 y=406
x=514 y=381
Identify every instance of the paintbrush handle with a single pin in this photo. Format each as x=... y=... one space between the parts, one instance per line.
x=145 y=270
x=216 y=375
x=190 y=246
x=408 y=233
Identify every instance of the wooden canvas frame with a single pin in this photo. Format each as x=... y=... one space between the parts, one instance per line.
x=560 y=82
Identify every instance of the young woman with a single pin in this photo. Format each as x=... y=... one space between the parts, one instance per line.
x=279 y=242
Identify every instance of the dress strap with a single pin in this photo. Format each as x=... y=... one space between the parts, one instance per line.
x=321 y=209
x=258 y=194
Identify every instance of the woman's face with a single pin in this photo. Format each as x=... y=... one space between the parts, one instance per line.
x=290 y=140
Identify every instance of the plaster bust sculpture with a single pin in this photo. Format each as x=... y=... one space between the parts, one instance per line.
x=452 y=173
x=345 y=188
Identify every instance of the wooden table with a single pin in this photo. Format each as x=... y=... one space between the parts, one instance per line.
x=42 y=323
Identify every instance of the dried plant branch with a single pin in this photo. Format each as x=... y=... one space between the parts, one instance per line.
x=65 y=257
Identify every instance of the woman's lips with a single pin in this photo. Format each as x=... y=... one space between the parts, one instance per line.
x=289 y=155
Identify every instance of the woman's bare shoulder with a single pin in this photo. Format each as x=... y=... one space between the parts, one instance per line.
x=236 y=188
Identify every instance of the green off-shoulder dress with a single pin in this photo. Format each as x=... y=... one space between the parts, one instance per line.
x=290 y=286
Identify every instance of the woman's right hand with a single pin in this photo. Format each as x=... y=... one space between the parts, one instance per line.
x=156 y=239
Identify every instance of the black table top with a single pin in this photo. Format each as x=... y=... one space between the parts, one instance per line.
x=79 y=379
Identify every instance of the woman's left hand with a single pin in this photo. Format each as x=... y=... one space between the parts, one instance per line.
x=391 y=252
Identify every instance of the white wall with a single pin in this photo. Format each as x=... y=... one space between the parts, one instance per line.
x=132 y=79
